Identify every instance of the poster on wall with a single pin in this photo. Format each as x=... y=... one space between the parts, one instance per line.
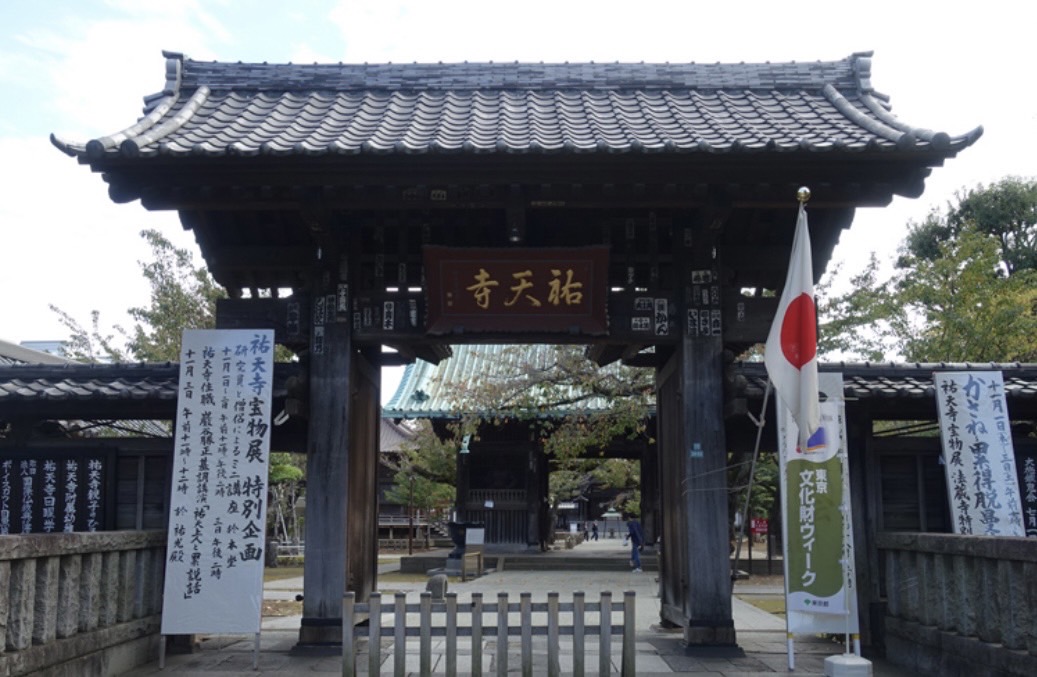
x=978 y=455
x=820 y=592
x=217 y=521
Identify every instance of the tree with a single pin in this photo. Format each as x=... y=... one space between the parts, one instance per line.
x=425 y=469
x=960 y=306
x=1006 y=211
x=286 y=489
x=575 y=406
x=576 y=409
x=963 y=289
x=857 y=322
x=182 y=297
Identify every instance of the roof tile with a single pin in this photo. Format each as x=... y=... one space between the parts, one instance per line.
x=251 y=109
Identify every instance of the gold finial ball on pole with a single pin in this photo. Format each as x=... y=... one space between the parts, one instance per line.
x=803 y=194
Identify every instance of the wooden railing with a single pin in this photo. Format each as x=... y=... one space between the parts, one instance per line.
x=441 y=619
x=75 y=599
x=959 y=600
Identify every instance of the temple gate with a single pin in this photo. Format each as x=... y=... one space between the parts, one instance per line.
x=351 y=207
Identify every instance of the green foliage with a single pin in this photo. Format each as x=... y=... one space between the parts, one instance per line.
x=90 y=345
x=965 y=287
x=1006 y=211
x=425 y=471
x=574 y=477
x=182 y=297
x=577 y=407
x=856 y=323
x=960 y=306
x=286 y=475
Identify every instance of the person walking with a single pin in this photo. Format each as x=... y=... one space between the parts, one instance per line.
x=637 y=539
x=594 y=531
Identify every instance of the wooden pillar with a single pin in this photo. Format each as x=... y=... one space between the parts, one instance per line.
x=327 y=479
x=865 y=499
x=536 y=496
x=650 y=506
x=362 y=501
x=696 y=566
x=708 y=603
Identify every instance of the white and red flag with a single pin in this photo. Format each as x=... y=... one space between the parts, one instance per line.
x=791 y=353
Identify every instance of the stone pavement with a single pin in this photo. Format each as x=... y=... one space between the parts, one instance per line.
x=760 y=635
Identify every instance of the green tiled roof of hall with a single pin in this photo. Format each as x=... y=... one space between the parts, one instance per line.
x=245 y=109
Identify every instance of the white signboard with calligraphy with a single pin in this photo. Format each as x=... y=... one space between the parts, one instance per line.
x=977 y=453
x=215 y=552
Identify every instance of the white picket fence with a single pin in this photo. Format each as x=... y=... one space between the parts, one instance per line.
x=441 y=618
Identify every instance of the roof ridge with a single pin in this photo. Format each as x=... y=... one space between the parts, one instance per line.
x=428 y=76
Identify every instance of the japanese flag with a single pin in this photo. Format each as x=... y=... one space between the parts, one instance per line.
x=791 y=353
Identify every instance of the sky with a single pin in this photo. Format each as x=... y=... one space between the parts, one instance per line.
x=80 y=68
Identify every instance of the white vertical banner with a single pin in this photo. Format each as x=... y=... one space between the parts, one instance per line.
x=978 y=454
x=217 y=520
x=820 y=581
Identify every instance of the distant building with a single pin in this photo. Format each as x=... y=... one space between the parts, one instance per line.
x=56 y=348
x=32 y=352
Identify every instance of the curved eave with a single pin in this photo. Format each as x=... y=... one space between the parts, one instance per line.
x=256 y=110
x=915 y=142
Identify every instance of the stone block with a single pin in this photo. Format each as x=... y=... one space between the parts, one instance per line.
x=90 y=591
x=69 y=579
x=22 y=604
x=437 y=585
x=45 y=603
x=5 y=600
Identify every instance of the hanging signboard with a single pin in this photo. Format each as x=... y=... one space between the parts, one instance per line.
x=554 y=289
x=55 y=491
x=820 y=594
x=977 y=453
x=214 y=562
x=1027 y=468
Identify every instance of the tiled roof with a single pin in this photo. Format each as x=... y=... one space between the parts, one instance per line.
x=246 y=109
x=66 y=383
x=393 y=436
x=430 y=391
x=88 y=381
x=887 y=381
x=425 y=391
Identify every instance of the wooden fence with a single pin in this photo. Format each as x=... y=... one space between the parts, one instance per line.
x=441 y=619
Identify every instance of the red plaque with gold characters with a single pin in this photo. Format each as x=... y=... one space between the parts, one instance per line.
x=557 y=290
